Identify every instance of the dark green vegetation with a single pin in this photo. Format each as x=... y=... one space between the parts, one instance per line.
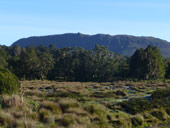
x=147 y=64
x=77 y=64
x=9 y=83
x=121 y=44
x=121 y=104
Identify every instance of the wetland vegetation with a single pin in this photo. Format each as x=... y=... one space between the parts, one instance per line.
x=116 y=104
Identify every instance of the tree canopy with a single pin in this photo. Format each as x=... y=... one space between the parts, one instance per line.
x=78 y=64
x=147 y=64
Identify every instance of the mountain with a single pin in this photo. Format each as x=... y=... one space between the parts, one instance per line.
x=122 y=44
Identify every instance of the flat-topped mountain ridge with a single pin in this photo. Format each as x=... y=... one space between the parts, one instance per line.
x=121 y=44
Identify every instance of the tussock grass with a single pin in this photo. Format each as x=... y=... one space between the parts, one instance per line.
x=81 y=105
x=51 y=106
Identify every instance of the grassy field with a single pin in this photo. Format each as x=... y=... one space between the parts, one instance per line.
x=50 y=104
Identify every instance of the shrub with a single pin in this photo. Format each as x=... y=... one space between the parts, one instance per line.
x=117 y=123
x=120 y=93
x=32 y=115
x=160 y=114
x=135 y=106
x=161 y=93
x=168 y=111
x=103 y=94
x=149 y=119
x=9 y=83
x=160 y=98
x=136 y=121
x=50 y=120
x=33 y=104
x=43 y=115
x=17 y=114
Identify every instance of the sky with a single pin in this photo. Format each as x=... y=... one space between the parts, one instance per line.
x=25 y=18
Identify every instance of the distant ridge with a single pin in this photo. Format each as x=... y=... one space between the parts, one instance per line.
x=121 y=44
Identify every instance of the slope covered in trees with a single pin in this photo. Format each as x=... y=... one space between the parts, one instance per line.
x=122 y=44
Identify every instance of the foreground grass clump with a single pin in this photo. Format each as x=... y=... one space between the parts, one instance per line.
x=7 y=120
x=98 y=112
x=9 y=83
x=67 y=103
x=51 y=106
x=44 y=116
x=66 y=120
x=10 y=101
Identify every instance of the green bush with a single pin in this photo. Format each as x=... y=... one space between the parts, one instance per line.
x=137 y=121
x=34 y=105
x=161 y=93
x=43 y=115
x=120 y=93
x=168 y=111
x=9 y=83
x=161 y=98
x=159 y=114
x=134 y=106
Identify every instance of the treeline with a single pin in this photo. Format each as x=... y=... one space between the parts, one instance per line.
x=78 y=64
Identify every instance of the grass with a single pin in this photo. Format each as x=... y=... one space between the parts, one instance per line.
x=51 y=106
x=82 y=105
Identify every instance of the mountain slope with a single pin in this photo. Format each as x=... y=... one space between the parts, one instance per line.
x=122 y=44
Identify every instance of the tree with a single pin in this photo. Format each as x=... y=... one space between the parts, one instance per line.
x=62 y=68
x=167 y=67
x=155 y=65
x=46 y=64
x=103 y=63
x=29 y=63
x=83 y=66
x=147 y=64
x=66 y=64
x=3 y=57
x=16 y=50
x=137 y=64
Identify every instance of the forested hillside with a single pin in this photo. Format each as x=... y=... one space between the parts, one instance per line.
x=122 y=44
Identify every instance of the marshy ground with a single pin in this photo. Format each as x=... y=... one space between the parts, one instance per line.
x=50 y=104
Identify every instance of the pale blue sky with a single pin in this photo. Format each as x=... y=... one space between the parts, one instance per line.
x=24 y=18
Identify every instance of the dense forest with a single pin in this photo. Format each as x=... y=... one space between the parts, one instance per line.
x=78 y=64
